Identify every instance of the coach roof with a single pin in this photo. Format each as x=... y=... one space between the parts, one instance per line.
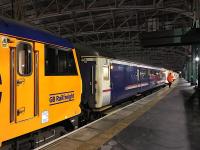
x=17 y=29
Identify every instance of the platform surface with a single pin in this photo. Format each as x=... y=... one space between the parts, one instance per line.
x=173 y=124
x=165 y=120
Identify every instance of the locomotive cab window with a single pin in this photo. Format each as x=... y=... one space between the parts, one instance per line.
x=59 y=61
x=24 y=54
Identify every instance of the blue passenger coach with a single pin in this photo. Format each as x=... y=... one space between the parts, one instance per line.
x=108 y=81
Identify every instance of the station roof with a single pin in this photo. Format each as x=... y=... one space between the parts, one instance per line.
x=112 y=26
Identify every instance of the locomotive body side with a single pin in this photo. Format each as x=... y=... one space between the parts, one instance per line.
x=33 y=96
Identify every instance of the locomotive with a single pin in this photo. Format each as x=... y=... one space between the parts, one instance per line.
x=41 y=83
x=39 y=78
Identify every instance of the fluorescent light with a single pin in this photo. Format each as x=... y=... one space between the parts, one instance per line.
x=197 y=58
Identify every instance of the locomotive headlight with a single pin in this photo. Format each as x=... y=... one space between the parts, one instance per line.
x=197 y=58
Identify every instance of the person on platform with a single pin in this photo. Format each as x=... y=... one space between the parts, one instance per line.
x=170 y=79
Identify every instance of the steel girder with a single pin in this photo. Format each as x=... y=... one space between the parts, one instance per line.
x=111 y=25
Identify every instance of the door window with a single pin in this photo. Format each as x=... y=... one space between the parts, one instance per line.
x=105 y=72
x=138 y=75
x=24 y=55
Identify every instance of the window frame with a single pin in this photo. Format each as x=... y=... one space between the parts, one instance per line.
x=17 y=55
x=59 y=49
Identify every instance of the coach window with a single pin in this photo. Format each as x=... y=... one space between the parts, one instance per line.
x=24 y=54
x=138 y=74
x=144 y=74
x=105 y=72
x=59 y=62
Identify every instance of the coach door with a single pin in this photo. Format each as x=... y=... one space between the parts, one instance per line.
x=106 y=84
x=88 y=75
x=24 y=81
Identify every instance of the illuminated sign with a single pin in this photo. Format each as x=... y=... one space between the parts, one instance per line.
x=63 y=97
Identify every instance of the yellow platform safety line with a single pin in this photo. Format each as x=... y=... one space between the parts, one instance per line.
x=102 y=138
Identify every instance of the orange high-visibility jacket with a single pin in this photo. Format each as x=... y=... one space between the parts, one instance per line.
x=170 y=77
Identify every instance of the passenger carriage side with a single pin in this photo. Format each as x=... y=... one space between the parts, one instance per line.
x=124 y=80
x=109 y=81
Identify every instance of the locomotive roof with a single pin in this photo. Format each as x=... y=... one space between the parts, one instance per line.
x=17 y=29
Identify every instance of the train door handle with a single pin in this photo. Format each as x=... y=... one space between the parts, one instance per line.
x=20 y=111
x=20 y=81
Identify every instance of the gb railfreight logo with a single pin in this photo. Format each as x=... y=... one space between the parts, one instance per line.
x=63 y=97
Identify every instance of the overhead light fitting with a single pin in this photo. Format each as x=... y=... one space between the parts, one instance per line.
x=196 y=58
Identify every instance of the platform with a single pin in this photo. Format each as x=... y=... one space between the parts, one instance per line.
x=165 y=120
